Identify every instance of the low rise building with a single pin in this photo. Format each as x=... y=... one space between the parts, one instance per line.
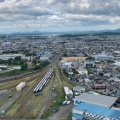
x=79 y=89
x=99 y=86
x=68 y=92
x=72 y=59
x=82 y=71
x=20 y=86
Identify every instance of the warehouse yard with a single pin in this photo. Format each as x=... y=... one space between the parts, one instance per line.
x=30 y=105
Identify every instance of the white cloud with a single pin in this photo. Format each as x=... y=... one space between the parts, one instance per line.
x=58 y=13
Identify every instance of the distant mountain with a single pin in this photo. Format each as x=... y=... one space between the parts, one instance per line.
x=37 y=33
x=117 y=30
x=106 y=31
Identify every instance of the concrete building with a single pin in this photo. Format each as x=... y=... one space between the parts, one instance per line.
x=116 y=80
x=20 y=86
x=82 y=71
x=4 y=66
x=8 y=56
x=99 y=86
x=100 y=100
x=104 y=56
x=117 y=64
x=68 y=92
x=79 y=89
x=46 y=56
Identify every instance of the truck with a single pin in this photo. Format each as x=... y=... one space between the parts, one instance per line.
x=68 y=102
x=64 y=103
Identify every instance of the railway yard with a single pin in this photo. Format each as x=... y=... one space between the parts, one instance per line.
x=28 y=104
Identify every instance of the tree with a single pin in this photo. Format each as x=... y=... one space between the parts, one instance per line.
x=10 y=61
x=18 y=58
x=24 y=67
x=34 y=61
x=65 y=73
x=90 y=58
x=44 y=63
x=74 y=71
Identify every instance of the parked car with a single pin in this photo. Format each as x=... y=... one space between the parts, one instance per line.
x=54 y=111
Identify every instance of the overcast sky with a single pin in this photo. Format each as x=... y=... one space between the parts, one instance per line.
x=59 y=15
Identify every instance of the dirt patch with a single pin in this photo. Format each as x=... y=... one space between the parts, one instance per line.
x=48 y=102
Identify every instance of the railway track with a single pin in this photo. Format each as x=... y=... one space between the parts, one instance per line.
x=29 y=106
x=13 y=84
x=63 y=78
x=42 y=96
x=21 y=102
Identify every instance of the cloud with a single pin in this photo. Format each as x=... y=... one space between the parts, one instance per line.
x=44 y=14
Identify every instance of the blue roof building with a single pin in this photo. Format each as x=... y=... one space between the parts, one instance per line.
x=118 y=93
x=94 y=111
x=77 y=116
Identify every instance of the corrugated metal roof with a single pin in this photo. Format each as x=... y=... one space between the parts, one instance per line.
x=98 y=110
x=96 y=99
x=21 y=84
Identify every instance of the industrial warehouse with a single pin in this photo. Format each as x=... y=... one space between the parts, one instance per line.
x=98 y=107
x=96 y=112
x=101 y=100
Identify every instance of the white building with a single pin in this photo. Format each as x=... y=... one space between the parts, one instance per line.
x=20 y=86
x=8 y=56
x=117 y=64
x=116 y=80
x=3 y=66
x=66 y=64
x=82 y=71
x=104 y=56
x=44 y=58
x=79 y=89
x=87 y=80
x=68 y=92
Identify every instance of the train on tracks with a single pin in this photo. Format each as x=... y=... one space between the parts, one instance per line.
x=44 y=81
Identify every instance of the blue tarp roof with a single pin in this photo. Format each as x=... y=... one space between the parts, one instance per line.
x=118 y=93
x=77 y=116
x=98 y=110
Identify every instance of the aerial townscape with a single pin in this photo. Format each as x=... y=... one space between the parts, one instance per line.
x=56 y=77
x=59 y=59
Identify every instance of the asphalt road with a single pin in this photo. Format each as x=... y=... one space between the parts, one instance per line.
x=63 y=112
